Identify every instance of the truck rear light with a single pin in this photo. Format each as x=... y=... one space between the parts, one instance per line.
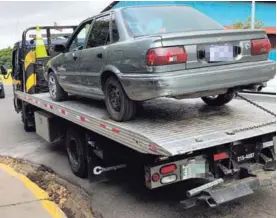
x=155 y=177
x=165 y=56
x=220 y=156
x=260 y=46
x=168 y=169
x=169 y=179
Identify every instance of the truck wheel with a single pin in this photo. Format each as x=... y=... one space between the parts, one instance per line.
x=56 y=91
x=2 y=93
x=26 y=122
x=75 y=146
x=119 y=106
x=219 y=100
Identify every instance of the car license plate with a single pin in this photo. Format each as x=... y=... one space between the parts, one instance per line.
x=194 y=169
x=216 y=53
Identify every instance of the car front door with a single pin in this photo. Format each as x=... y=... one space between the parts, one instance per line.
x=69 y=77
x=93 y=57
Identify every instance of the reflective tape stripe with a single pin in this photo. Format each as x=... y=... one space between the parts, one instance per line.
x=102 y=125
x=107 y=127
x=31 y=81
x=115 y=130
x=62 y=111
x=83 y=119
x=29 y=59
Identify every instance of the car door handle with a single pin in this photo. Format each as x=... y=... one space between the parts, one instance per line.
x=74 y=56
x=99 y=55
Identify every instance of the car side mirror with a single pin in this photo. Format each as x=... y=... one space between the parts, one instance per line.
x=4 y=69
x=59 y=48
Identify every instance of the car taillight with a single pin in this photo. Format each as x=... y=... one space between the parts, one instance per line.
x=168 y=169
x=260 y=46
x=165 y=56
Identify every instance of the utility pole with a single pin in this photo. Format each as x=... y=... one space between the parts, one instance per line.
x=253 y=15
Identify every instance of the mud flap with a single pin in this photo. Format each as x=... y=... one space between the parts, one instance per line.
x=99 y=170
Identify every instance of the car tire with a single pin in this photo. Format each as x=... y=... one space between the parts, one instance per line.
x=119 y=106
x=219 y=100
x=75 y=147
x=2 y=93
x=56 y=91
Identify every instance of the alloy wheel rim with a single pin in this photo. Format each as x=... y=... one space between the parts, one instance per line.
x=114 y=98
x=52 y=86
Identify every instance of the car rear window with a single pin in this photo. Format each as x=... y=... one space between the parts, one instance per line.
x=142 y=21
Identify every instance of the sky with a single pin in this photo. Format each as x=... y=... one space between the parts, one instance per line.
x=15 y=17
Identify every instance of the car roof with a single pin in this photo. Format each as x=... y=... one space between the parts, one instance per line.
x=131 y=6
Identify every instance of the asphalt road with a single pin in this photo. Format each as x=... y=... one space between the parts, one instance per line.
x=126 y=199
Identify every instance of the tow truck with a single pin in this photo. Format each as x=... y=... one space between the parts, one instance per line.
x=231 y=149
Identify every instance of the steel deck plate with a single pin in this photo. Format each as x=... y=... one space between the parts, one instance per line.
x=168 y=126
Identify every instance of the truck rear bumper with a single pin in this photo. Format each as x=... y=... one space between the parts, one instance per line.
x=141 y=87
x=232 y=190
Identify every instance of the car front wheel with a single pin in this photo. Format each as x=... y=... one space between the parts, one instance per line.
x=56 y=91
x=119 y=106
x=219 y=100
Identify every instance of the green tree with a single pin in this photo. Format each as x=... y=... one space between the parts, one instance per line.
x=259 y=24
x=6 y=56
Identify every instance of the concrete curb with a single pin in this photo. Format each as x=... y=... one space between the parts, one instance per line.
x=52 y=209
x=75 y=209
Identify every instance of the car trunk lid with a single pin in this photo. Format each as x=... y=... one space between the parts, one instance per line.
x=216 y=47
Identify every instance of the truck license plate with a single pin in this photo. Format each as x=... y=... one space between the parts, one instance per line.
x=220 y=53
x=194 y=169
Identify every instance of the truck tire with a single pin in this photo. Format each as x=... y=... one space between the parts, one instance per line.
x=2 y=93
x=119 y=106
x=56 y=91
x=25 y=120
x=75 y=147
x=219 y=100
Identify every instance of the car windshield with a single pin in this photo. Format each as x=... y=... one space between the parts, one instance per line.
x=142 y=21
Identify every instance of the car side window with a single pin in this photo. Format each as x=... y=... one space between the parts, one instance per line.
x=115 y=34
x=78 y=42
x=100 y=32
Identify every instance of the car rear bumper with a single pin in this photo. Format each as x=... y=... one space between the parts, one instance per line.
x=141 y=87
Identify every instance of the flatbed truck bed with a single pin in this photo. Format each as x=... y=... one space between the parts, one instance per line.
x=229 y=148
x=164 y=126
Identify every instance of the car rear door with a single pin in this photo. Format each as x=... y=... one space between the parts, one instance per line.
x=94 y=56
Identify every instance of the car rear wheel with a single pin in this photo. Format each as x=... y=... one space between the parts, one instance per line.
x=219 y=100
x=56 y=91
x=119 y=106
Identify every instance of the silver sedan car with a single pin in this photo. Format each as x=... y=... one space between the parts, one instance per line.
x=133 y=54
